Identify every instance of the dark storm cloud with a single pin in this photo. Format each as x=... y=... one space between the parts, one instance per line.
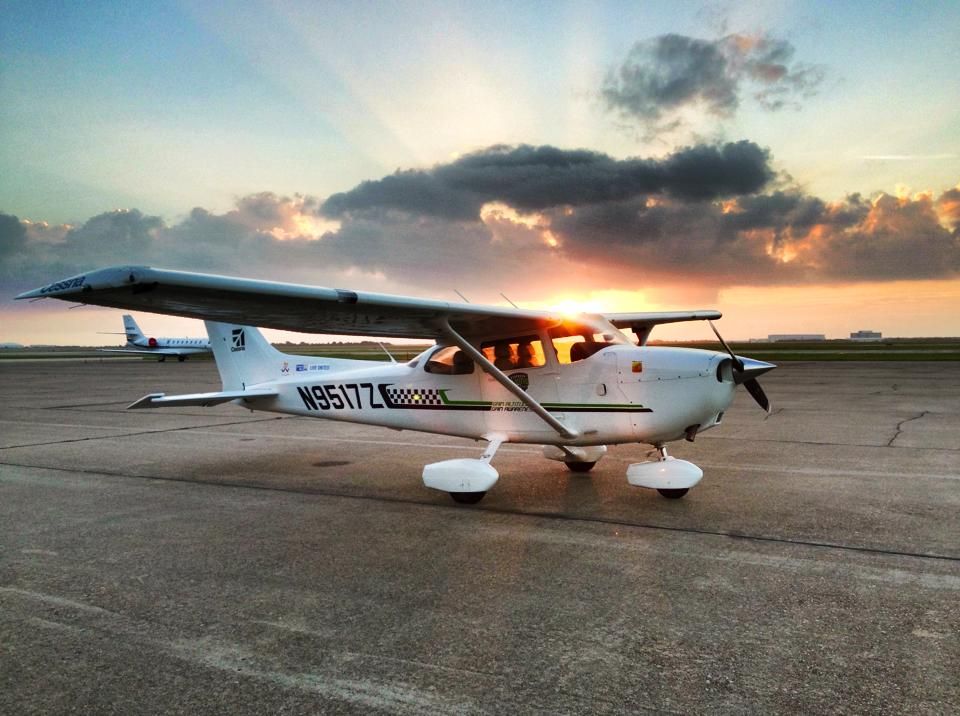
x=663 y=75
x=534 y=178
x=13 y=235
x=544 y=238
x=784 y=237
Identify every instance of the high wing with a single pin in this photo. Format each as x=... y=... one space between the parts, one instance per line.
x=643 y=323
x=309 y=309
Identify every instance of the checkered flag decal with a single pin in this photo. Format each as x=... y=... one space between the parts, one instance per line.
x=412 y=397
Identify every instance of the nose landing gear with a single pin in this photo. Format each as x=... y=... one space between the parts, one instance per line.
x=669 y=476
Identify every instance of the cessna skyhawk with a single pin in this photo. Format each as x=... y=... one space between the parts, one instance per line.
x=503 y=375
x=137 y=343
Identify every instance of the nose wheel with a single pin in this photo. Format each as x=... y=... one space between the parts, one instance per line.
x=674 y=494
x=467 y=498
x=670 y=477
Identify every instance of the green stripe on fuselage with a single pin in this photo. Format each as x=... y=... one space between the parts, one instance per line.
x=570 y=407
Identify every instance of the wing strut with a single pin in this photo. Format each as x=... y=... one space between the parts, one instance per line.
x=503 y=380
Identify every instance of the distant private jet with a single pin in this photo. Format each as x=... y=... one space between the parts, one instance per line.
x=140 y=344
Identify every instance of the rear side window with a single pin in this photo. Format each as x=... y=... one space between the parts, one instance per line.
x=449 y=361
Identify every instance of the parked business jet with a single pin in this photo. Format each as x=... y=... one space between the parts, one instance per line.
x=137 y=343
x=502 y=375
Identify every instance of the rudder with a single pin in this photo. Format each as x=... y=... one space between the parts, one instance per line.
x=132 y=330
x=244 y=357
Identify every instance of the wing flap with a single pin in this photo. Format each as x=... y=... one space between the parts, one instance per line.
x=162 y=400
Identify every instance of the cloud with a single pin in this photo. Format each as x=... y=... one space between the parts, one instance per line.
x=663 y=76
x=13 y=236
x=533 y=178
x=672 y=222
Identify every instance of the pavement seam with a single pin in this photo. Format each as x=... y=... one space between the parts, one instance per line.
x=139 y=433
x=832 y=444
x=507 y=511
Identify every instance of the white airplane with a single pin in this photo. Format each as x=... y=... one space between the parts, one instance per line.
x=503 y=375
x=138 y=343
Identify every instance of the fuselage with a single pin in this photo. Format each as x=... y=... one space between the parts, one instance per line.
x=170 y=346
x=620 y=394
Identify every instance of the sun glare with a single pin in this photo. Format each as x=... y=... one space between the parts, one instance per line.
x=570 y=307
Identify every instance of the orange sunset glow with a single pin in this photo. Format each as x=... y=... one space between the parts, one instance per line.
x=638 y=159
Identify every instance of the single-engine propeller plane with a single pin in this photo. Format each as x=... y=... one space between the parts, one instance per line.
x=139 y=344
x=502 y=375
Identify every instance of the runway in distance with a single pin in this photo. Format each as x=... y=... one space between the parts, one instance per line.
x=138 y=343
x=502 y=375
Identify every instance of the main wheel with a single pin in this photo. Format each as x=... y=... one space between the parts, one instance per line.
x=578 y=466
x=675 y=493
x=467 y=498
x=181 y=359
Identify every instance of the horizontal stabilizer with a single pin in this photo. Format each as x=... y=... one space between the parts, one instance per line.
x=162 y=400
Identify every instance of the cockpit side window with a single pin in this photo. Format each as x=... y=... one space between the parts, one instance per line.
x=449 y=360
x=514 y=353
x=574 y=343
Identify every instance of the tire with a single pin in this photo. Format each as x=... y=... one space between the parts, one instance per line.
x=577 y=466
x=675 y=493
x=467 y=498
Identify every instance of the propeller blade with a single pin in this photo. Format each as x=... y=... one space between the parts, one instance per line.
x=753 y=387
x=737 y=363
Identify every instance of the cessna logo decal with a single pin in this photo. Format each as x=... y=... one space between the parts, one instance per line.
x=239 y=342
x=64 y=285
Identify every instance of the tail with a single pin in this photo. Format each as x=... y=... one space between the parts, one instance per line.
x=243 y=355
x=132 y=330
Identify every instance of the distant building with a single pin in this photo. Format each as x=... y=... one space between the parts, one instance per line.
x=780 y=337
x=866 y=336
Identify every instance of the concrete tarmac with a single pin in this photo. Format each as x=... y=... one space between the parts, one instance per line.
x=216 y=560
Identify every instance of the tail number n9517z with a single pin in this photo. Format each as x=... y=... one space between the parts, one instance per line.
x=346 y=396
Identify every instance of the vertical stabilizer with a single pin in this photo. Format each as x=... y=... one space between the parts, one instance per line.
x=244 y=357
x=132 y=330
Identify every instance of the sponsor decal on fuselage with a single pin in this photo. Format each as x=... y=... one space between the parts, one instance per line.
x=64 y=285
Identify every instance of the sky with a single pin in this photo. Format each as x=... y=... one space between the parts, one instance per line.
x=795 y=165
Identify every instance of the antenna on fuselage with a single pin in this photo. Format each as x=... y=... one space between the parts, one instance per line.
x=508 y=300
x=465 y=299
x=389 y=354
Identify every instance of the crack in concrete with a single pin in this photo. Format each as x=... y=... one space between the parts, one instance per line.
x=902 y=423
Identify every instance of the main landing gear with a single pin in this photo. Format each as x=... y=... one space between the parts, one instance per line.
x=466 y=479
x=670 y=477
